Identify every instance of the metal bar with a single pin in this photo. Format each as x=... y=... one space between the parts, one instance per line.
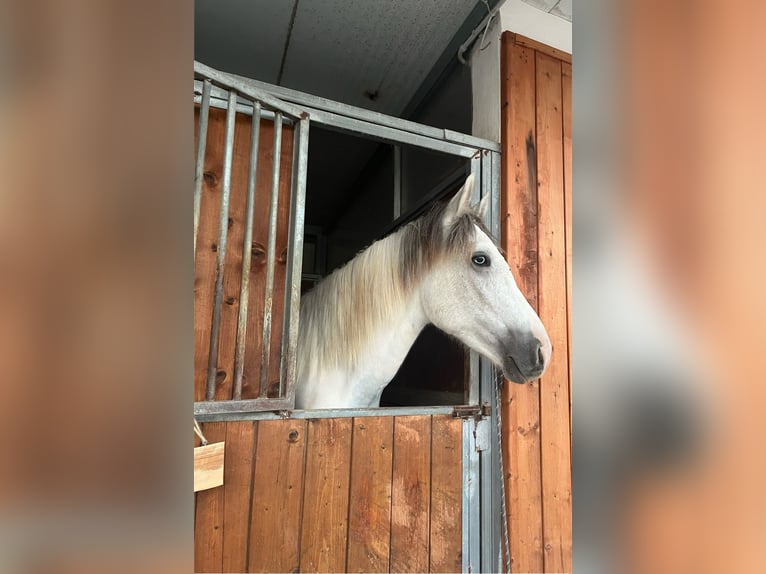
x=244 y=286
x=386 y=134
x=271 y=257
x=491 y=560
x=246 y=88
x=228 y=151
x=491 y=552
x=218 y=411
x=219 y=99
x=289 y=366
x=323 y=104
x=397 y=182
x=200 y=166
x=461 y=138
x=470 y=507
x=495 y=190
x=474 y=371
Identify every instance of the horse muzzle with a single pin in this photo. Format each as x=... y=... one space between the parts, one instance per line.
x=529 y=363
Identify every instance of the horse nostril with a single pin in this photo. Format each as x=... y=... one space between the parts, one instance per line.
x=540 y=358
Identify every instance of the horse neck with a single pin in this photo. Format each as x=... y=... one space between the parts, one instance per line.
x=360 y=325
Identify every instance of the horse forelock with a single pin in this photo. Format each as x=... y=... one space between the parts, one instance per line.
x=426 y=240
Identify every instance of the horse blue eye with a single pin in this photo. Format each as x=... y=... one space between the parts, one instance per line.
x=480 y=260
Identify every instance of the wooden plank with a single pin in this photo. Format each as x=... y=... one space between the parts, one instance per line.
x=521 y=407
x=541 y=48
x=208 y=466
x=277 y=496
x=325 y=502
x=566 y=96
x=552 y=296
x=237 y=492
x=208 y=519
x=446 y=494
x=204 y=264
x=411 y=494
x=369 y=529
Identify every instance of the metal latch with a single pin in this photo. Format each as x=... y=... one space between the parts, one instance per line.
x=471 y=411
x=466 y=411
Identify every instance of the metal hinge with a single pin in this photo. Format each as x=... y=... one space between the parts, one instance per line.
x=471 y=411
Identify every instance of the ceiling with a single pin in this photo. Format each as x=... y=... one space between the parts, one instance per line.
x=560 y=8
x=383 y=55
x=376 y=54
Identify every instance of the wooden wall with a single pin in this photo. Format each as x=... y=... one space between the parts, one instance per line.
x=369 y=494
x=536 y=92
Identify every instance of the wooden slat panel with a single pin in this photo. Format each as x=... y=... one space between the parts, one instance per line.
x=207 y=246
x=566 y=94
x=325 y=503
x=369 y=530
x=237 y=490
x=554 y=388
x=410 y=505
x=204 y=265
x=277 y=496
x=208 y=520
x=252 y=370
x=521 y=415
x=446 y=494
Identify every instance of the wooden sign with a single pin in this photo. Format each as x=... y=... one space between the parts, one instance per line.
x=208 y=466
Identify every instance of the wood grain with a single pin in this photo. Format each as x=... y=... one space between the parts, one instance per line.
x=554 y=387
x=411 y=494
x=566 y=96
x=541 y=48
x=208 y=519
x=521 y=416
x=369 y=530
x=277 y=496
x=326 y=496
x=237 y=490
x=208 y=466
x=446 y=494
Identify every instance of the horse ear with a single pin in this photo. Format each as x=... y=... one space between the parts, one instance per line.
x=482 y=210
x=461 y=203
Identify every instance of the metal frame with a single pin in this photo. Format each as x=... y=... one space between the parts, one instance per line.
x=481 y=510
x=217 y=87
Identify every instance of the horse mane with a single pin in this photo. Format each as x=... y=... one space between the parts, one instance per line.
x=343 y=311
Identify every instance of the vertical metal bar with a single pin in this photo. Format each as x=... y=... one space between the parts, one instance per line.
x=271 y=256
x=491 y=512
x=471 y=509
x=397 y=181
x=204 y=112
x=288 y=367
x=473 y=377
x=490 y=479
x=215 y=329
x=244 y=286
x=496 y=191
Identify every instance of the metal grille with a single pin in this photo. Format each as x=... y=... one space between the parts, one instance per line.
x=235 y=96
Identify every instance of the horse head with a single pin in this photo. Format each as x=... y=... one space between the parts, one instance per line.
x=472 y=295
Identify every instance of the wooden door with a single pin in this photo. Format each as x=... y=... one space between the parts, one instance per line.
x=363 y=494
